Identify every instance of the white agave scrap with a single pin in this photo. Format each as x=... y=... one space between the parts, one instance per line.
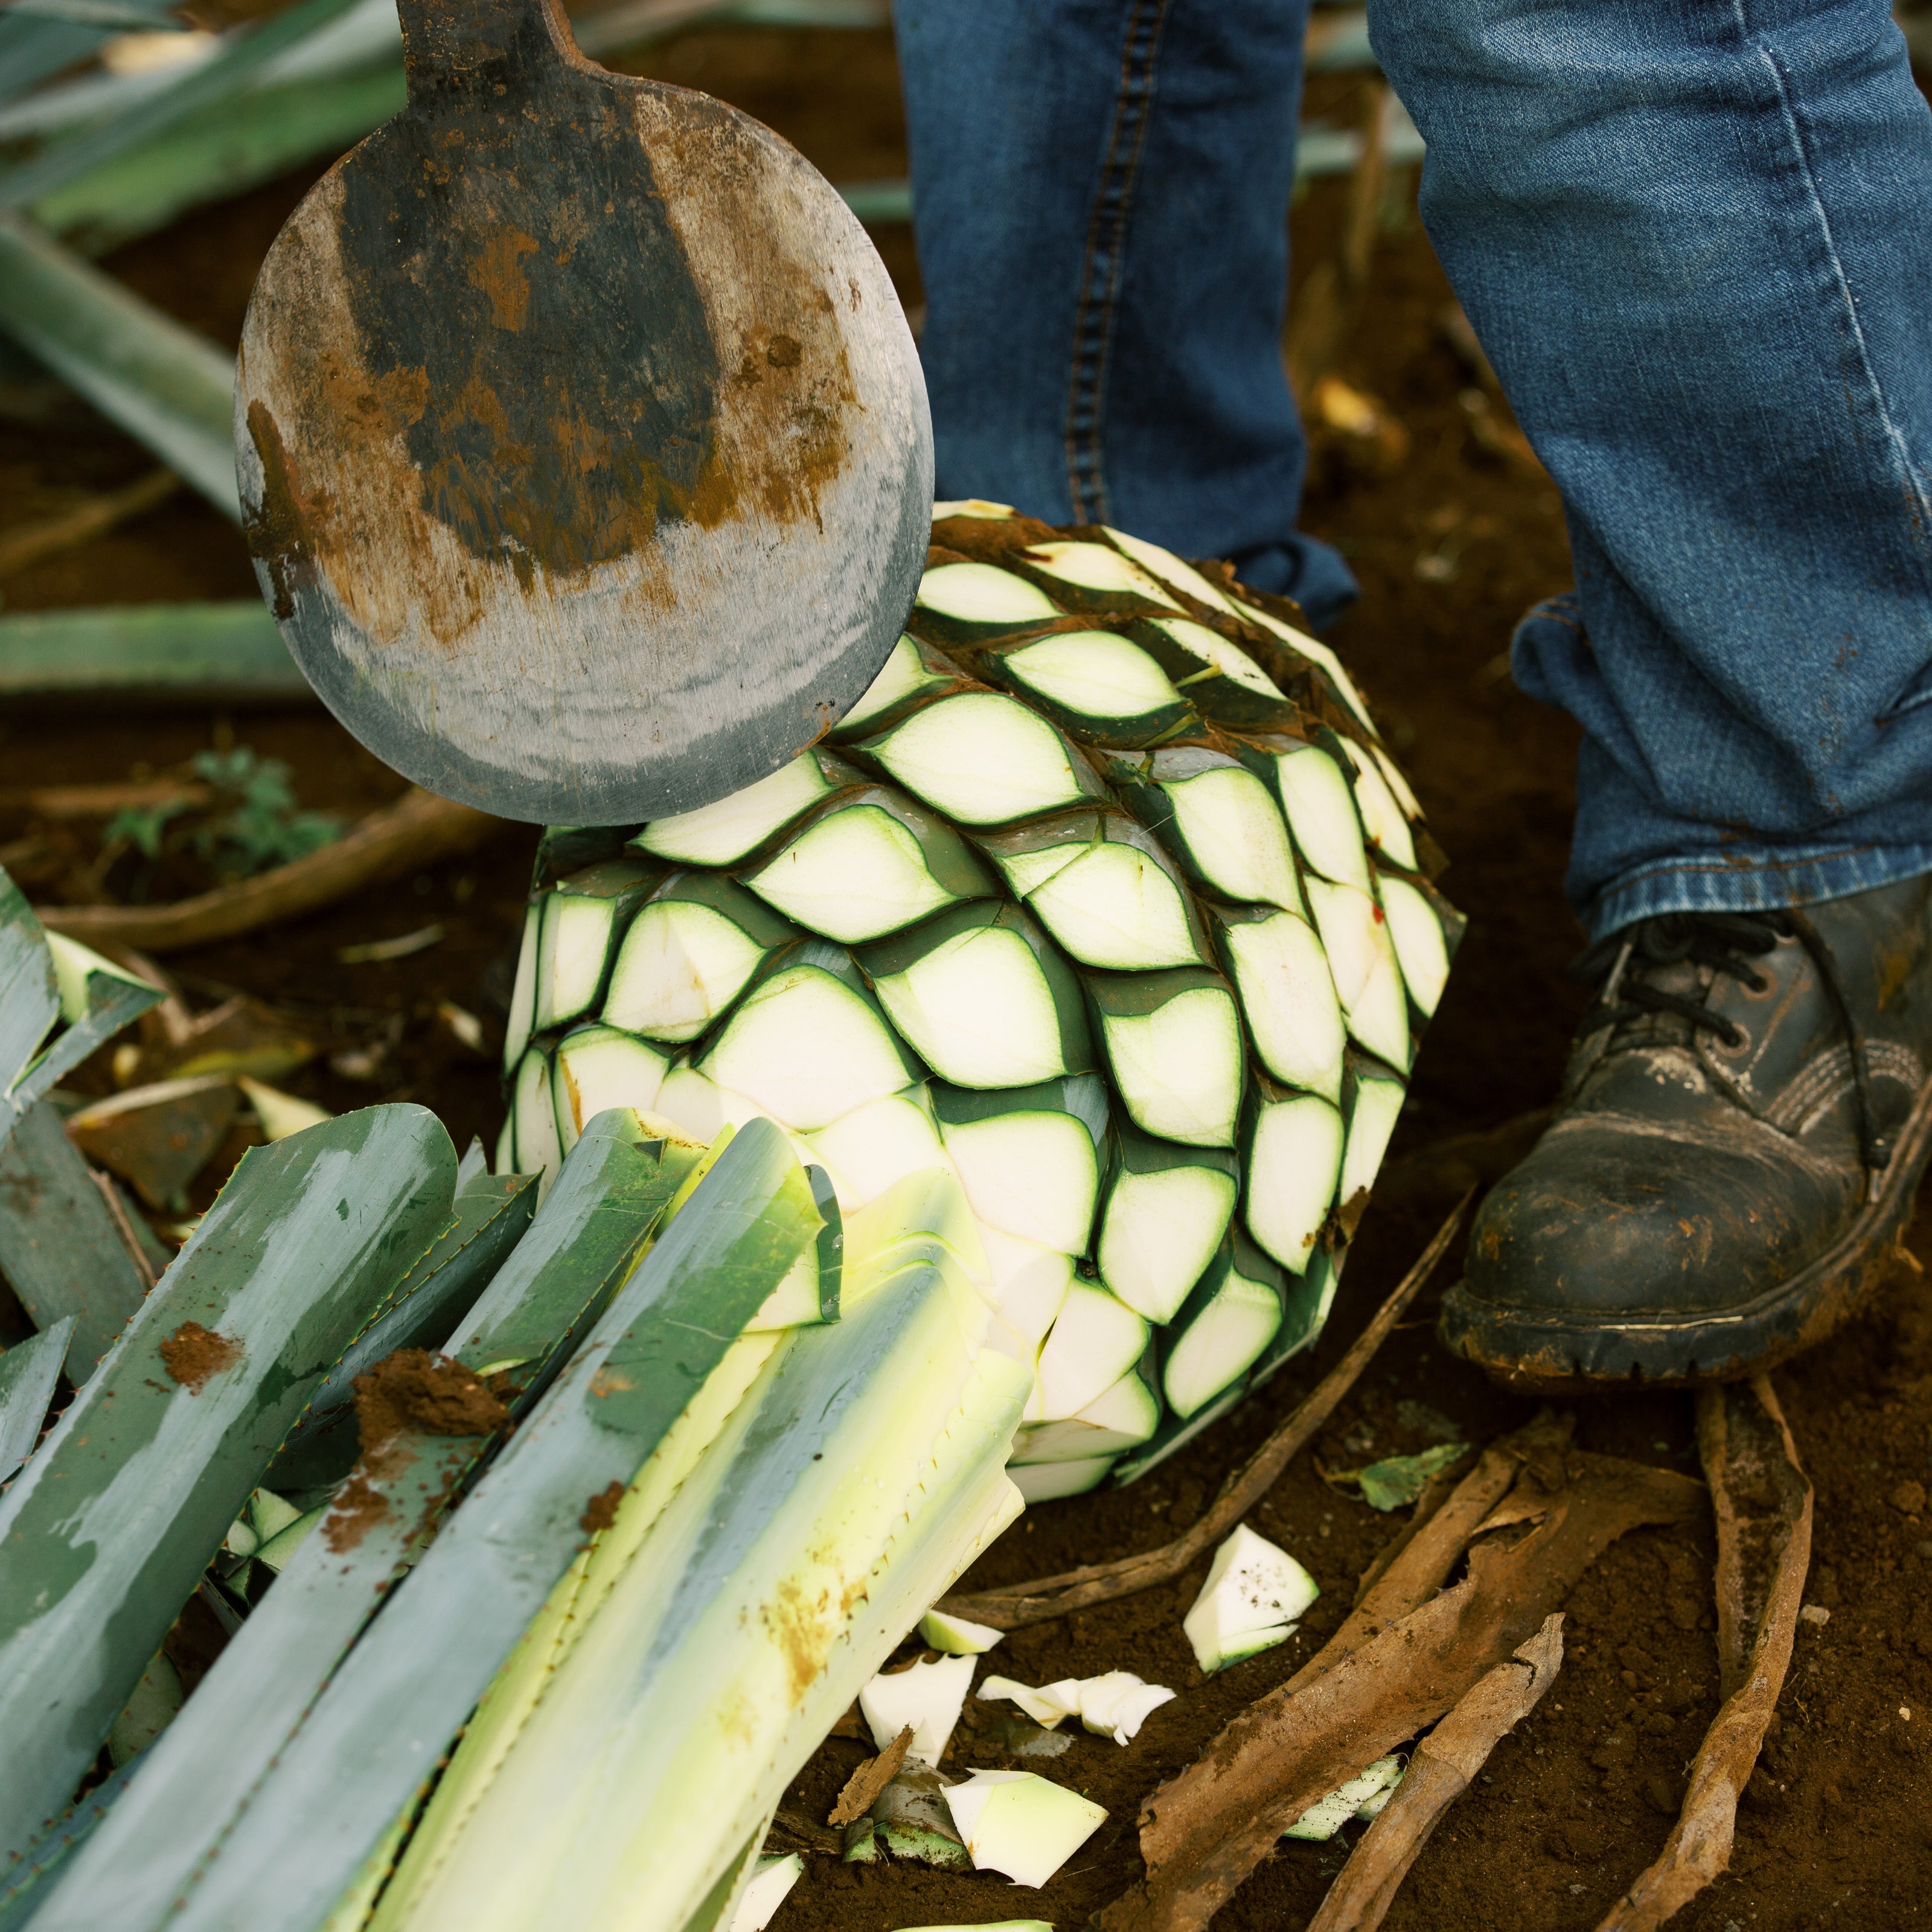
x=1254 y=1592
x=927 y=1697
x=1363 y=1796
x=768 y=1890
x=1021 y=1824
x=1235 y=964
x=1114 y=1704
x=958 y=1636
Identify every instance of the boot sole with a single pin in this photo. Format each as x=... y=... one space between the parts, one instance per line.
x=1552 y=1352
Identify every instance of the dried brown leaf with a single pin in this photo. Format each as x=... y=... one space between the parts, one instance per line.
x=862 y=1788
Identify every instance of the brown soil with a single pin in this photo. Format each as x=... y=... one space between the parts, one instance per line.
x=414 y=1390
x=601 y=1511
x=192 y=1353
x=1451 y=544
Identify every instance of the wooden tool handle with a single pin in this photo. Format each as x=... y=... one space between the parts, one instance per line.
x=468 y=47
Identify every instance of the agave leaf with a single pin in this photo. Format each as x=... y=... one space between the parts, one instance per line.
x=211 y=1758
x=58 y=1242
x=191 y=651
x=28 y=1373
x=112 y=1520
x=28 y=1881
x=365 y=1747
x=32 y=47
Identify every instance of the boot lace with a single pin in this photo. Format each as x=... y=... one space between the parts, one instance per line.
x=1726 y=942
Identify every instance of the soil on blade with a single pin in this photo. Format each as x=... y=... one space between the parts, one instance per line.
x=193 y=1355
x=1451 y=543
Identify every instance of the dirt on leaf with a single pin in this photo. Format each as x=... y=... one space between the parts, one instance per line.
x=193 y=1354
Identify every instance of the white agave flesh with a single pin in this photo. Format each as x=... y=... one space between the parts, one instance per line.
x=971 y=506
x=1420 y=950
x=1029 y=1283
x=1179 y=1068
x=1362 y=962
x=902 y=675
x=1094 y=672
x=1169 y=568
x=1095 y=567
x=691 y=1103
x=977 y=1009
x=1327 y=1816
x=981 y=758
x=1320 y=808
x=1026 y=872
x=1120 y=1416
x=1316 y=652
x=806 y=1048
x=600 y=1067
x=1254 y=1588
x=717 y=835
x=1294 y=1164
x=1217 y=653
x=1220 y=1343
x=1095 y=1340
x=1380 y=814
x=1236 y=836
x=1114 y=1704
x=877 y=1145
x=1158 y=1231
x=1034 y=1174
x=575 y=943
x=927 y=1697
x=855 y=875
x=524 y=991
x=535 y=1111
x=982 y=593
x=1017 y=1823
x=770 y=1886
x=1282 y=975
x=680 y=965
x=1405 y=795
x=1378 y=1103
x=1111 y=906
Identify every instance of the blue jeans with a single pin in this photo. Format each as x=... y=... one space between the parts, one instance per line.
x=1695 y=237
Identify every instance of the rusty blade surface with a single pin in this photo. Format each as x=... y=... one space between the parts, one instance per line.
x=582 y=443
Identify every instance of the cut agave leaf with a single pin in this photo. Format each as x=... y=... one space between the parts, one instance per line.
x=1029 y=1157
x=928 y=1697
x=583 y=916
x=1170 y=569
x=1016 y=1822
x=1327 y=1816
x=1287 y=996
x=1096 y=685
x=1291 y=1149
x=1120 y=1416
x=869 y=862
x=692 y=1104
x=1047 y=1482
x=957 y=1637
x=958 y=602
x=1222 y=682
x=599 y=1066
x=1167 y=1209
x=1095 y=1340
x=1216 y=818
x=1319 y=804
x=906 y=674
x=1083 y=574
x=982 y=758
x=877 y=1145
x=810 y=1291
x=809 y=1044
x=1405 y=795
x=1380 y=814
x=523 y=992
x=1362 y=961
x=1421 y=951
x=1375 y=1104
x=1225 y=1327
x=984 y=995
x=1173 y=1041
x=723 y=833
x=689 y=953
x=1104 y=888
x=1254 y=1593
x=1317 y=653
x=532 y=1106
x=771 y=1885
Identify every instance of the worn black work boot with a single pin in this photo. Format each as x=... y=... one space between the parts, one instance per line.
x=1744 y=1118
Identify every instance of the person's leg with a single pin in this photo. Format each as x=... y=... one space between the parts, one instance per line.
x=1696 y=241
x=1100 y=200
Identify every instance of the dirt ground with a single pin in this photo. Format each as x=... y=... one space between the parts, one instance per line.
x=1451 y=543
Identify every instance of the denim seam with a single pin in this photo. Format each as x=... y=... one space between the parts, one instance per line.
x=1846 y=302
x=1671 y=868
x=1105 y=261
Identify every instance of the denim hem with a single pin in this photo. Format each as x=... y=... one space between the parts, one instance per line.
x=1106 y=262
x=1760 y=879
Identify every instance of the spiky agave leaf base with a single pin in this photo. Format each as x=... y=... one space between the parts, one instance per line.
x=1108 y=896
